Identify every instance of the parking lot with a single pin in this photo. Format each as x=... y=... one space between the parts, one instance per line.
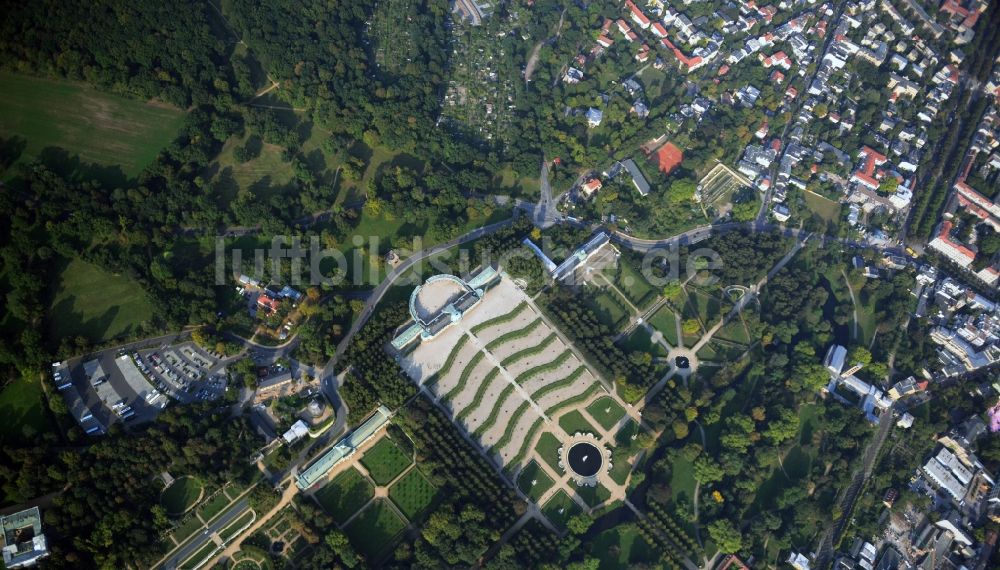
x=185 y=372
x=120 y=386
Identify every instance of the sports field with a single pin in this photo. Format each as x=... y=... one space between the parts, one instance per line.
x=97 y=127
x=96 y=304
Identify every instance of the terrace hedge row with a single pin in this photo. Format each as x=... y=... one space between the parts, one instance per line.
x=446 y=367
x=466 y=372
x=543 y=368
x=499 y=320
x=523 y=450
x=574 y=400
x=479 y=394
x=514 y=334
x=530 y=351
x=492 y=419
x=509 y=432
x=558 y=384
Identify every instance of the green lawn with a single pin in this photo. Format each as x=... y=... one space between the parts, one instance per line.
x=265 y=175
x=560 y=508
x=385 y=461
x=808 y=421
x=413 y=494
x=706 y=353
x=665 y=321
x=214 y=506
x=682 y=481
x=343 y=496
x=825 y=208
x=234 y=527
x=574 y=422
x=734 y=331
x=533 y=481
x=594 y=496
x=641 y=341
x=707 y=307
x=93 y=127
x=22 y=407
x=181 y=495
x=375 y=530
x=626 y=432
x=620 y=470
x=633 y=284
x=548 y=448
x=96 y=304
x=508 y=182
x=609 y=309
x=622 y=547
x=606 y=411
x=187 y=528
x=197 y=557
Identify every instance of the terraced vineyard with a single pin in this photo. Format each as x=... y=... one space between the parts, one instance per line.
x=503 y=372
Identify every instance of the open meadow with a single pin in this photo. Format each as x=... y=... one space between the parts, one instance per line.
x=94 y=128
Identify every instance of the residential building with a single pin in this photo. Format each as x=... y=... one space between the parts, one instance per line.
x=24 y=544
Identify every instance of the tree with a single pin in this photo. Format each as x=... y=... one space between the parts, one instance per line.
x=681 y=191
x=859 y=354
x=579 y=524
x=726 y=536
x=673 y=290
x=680 y=429
x=690 y=326
x=707 y=470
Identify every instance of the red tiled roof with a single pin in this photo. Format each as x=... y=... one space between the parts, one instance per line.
x=268 y=303
x=945 y=236
x=637 y=13
x=668 y=157
x=591 y=186
x=690 y=62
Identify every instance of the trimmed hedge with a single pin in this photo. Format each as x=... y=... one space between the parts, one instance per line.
x=523 y=450
x=466 y=372
x=492 y=419
x=509 y=432
x=542 y=368
x=504 y=318
x=574 y=400
x=514 y=335
x=446 y=367
x=562 y=383
x=478 y=398
x=526 y=352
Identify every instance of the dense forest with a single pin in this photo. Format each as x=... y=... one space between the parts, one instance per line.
x=107 y=512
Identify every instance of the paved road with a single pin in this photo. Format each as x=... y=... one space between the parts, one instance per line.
x=762 y=213
x=199 y=540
